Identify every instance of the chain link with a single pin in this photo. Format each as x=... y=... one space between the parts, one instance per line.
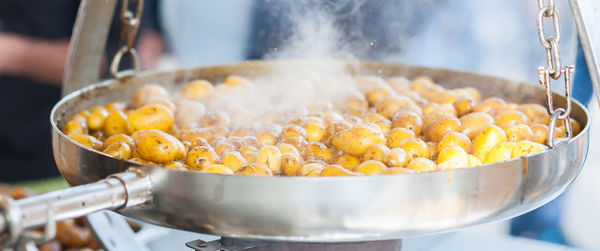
x=554 y=70
x=129 y=29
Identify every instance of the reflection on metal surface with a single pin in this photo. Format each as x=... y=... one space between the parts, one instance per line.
x=587 y=21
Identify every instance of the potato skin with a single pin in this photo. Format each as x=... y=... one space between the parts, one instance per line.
x=524 y=147
x=158 y=146
x=335 y=170
x=486 y=139
x=116 y=123
x=119 y=150
x=500 y=152
x=435 y=130
x=357 y=139
x=149 y=117
x=148 y=93
x=370 y=167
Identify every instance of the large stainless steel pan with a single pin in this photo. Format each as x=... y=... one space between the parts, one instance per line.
x=300 y=208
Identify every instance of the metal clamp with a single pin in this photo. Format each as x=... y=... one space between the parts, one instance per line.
x=129 y=29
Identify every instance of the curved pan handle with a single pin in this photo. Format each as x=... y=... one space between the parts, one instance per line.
x=118 y=191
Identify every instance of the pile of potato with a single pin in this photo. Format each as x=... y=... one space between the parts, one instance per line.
x=384 y=126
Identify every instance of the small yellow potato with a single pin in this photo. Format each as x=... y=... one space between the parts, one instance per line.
x=486 y=139
x=150 y=117
x=440 y=110
x=399 y=135
x=335 y=170
x=290 y=164
x=421 y=165
x=391 y=105
x=287 y=148
x=472 y=123
x=439 y=127
x=500 y=152
x=399 y=84
x=397 y=170
x=254 y=169
x=119 y=150
x=95 y=120
x=315 y=130
x=115 y=123
x=216 y=118
x=197 y=90
x=86 y=140
x=421 y=84
x=474 y=161
x=158 y=146
x=540 y=133
x=334 y=127
x=297 y=141
x=191 y=134
x=356 y=140
x=77 y=125
x=373 y=116
x=357 y=104
x=292 y=130
x=318 y=151
x=463 y=105
x=309 y=168
x=348 y=161
x=523 y=148
x=452 y=157
x=409 y=120
x=376 y=152
x=267 y=137
x=270 y=156
x=233 y=80
x=445 y=97
x=176 y=165
x=234 y=160
x=473 y=93
x=433 y=149
x=370 y=167
x=415 y=148
x=148 y=93
x=201 y=156
x=223 y=148
x=535 y=113
x=120 y=137
x=385 y=125
x=455 y=139
x=115 y=106
x=396 y=157
x=575 y=127
x=217 y=168
x=376 y=95
x=491 y=106
x=510 y=117
x=519 y=132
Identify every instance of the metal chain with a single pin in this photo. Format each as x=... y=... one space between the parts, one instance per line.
x=553 y=70
x=129 y=29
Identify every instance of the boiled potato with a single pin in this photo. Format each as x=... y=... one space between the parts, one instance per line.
x=399 y=135
x=535 y=113
x=390 y=106
x=439 y=127
x=254 y=169
x=233 y=80
x=149 y=117
x=77 y=125
x=201 y=156
x=486 y=139
x=518 y=132
x=396 y=157
x=472 y=123
x=335 y=170
x=385 y=125
x=376 y=152
x=370 y=167
x=463 y=105
x=310 y=168
x=119 y=150
x=290 y=164
x=222 y=148
x=523 y=148
x=86 y=140
x=356 y=140
x=409 y=120
x=415 y=148
x=267 y=137
x=500 y=152
x=97 y=117
x=452 y=157
x=421 y=165
x=376 y=95
x=315 y=130
x=318 y=150
x=197 y=90
x=147 y=94
x=474 y=161
x=216 y=168
x=455 y=139
x=293 y=130
x=348 y=161
x=397 y=170
x=189 y=113
x=120 y=138
x=116 y=123
x=175 y=165
x=491 y=106
x=234 y=160
x=158 y=146
x=510 y=117
x=540 y=133
x=270 y=156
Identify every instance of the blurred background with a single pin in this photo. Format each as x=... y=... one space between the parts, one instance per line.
x=493 y=37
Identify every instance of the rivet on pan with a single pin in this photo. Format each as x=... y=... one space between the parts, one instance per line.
x=201 y=244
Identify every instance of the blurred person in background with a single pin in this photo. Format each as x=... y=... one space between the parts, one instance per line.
x=34 y=41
